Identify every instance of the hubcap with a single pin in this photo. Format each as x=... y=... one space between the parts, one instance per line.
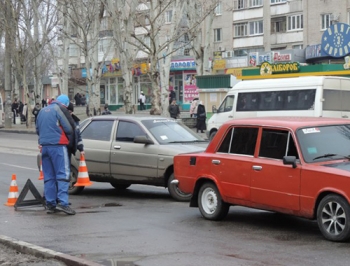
x=333 y=218
x=209 y=200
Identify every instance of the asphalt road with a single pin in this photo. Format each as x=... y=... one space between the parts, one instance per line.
x=144 y=226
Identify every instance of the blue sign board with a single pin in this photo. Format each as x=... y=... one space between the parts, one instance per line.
x=336 y=40
x=183 y=65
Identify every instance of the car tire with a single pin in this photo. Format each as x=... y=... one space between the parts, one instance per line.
x=212 y=134
x=333 y=218
x=120 y=186
x=210 y=202
x=73 y=179
x=175 y=192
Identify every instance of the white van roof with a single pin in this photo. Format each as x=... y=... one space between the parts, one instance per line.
x=284 y=82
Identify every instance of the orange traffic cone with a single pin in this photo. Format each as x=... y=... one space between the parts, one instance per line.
x=13 y=194
x=41 y=175
x=83 y=175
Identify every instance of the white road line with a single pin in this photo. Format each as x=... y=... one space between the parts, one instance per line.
x=34 y=169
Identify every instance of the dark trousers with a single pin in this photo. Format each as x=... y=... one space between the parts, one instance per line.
x=142 y=106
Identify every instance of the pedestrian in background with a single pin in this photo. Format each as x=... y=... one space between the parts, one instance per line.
x=193 y=107
x=106 y=110
x=201 y=117
x=55 y=132
x=83 y=100
x=43 y=103
x=172 y=96
x=36 y=111
x=174 y=110
x=142 y=100
x=14 y=108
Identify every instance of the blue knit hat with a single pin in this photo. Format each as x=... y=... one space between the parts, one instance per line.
x=63 y=99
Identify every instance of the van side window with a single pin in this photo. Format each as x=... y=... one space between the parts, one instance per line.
x=276 y=100
x=227 y=104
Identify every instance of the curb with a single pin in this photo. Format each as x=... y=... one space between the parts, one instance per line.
x=45 y=253
x=17 y=131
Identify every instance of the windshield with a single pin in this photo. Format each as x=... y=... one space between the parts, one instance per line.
x=324 y=143
x=170 y=131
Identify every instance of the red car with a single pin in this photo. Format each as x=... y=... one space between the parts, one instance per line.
x=294 y=165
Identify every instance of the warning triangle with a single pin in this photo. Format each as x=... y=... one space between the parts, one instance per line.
x=25 y=203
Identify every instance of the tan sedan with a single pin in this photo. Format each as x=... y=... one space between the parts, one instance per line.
x=128 y=149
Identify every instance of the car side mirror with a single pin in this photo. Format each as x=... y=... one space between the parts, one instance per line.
x=143 y=139
x=291 y=160
x=213 y=109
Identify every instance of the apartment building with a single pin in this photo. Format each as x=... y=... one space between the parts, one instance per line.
x=274 y=31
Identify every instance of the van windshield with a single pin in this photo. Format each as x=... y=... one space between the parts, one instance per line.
x=227 y=104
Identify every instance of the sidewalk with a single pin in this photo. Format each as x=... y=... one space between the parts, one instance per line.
x=22 y=128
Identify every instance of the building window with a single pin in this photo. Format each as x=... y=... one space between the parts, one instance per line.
x=186 y=37
x=295 y=22
x=241 y=29
x=73 y=50
x=325 y=21
x=277 y=1
x=297 y=46
x=217 y=35
x=187 y=52
x=218 y=9
x=168 y=16
x=255 y=3
x=278 y=24
x=240 y=4
x=256 y=27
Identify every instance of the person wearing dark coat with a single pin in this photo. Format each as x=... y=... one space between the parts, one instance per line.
x=15 y=110
x=35 y=111
x=201 y=117
x=174 y=110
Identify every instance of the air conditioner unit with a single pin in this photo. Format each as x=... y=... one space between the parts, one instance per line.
x=334 y=17
x=229 y=54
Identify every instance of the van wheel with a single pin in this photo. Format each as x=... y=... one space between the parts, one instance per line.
x=333 y=218
x=175 y=192
x=73 y=179
x=210 y=202
x=212 y=134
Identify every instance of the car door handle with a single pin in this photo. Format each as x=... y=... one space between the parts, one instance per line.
x=257 y=167
x=117 y=147
x=217 y=162
x=230 y=116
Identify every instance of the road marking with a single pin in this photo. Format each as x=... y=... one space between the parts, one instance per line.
x=34 y=169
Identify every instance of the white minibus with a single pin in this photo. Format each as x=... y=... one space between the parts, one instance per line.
x=318 y=96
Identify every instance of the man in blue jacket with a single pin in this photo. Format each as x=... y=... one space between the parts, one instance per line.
x=55 y=132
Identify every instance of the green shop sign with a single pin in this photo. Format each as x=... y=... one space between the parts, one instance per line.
x=268 y=69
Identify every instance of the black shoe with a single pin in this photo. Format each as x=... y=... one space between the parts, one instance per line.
x=202 y=131
x=65 y=209
x=51 y=209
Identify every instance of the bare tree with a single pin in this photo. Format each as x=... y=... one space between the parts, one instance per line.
x=83 y=20
x=200 y=15
x=122 y=14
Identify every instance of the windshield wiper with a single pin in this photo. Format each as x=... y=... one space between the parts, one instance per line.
x=327 y=155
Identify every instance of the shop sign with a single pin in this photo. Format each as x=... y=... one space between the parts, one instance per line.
x=253 y=59
x=181 y=65
x=336 y=40
x=237 y=72
x=267 y=69
x=217 y=55
x=267 y=57
x=219 y=64
x=277 y=57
